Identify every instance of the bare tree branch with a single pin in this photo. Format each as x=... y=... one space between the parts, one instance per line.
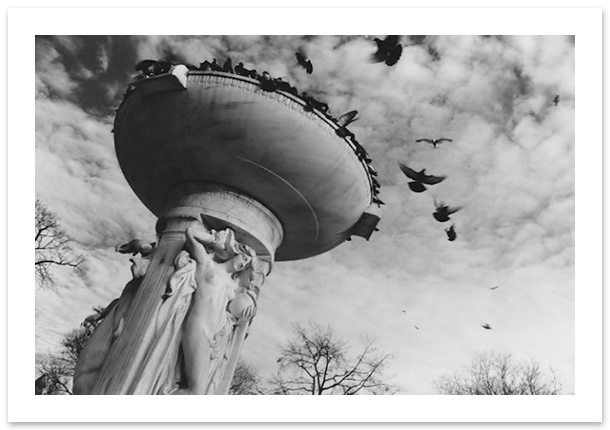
x=315 y=362
x=499 y=374
x=245 y=381
x=52 y=246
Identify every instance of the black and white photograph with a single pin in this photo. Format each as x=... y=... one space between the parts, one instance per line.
x=380 y=215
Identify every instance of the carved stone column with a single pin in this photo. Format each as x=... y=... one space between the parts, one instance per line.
x=224 y=152
x=218 y=208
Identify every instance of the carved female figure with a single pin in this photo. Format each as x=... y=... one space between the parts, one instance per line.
x=213 y=289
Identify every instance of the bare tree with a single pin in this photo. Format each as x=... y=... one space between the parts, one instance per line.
x=245 y=380
x=55 y=375
x=499 y=374
x=315 y=362
x=52 y=246
x=57 y=370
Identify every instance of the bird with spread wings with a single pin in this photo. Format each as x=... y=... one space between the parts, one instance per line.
x=443 y=211
x=420 y=178
x=388 y=50
x=435 y=142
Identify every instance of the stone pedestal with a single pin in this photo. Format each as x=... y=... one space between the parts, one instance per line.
x=240 y=175
x=218 y=208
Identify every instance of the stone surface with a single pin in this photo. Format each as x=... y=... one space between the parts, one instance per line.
x=238 y=176
x=224 y=129
x=179 y=324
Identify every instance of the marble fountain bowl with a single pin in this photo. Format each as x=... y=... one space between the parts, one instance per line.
x=223 y=129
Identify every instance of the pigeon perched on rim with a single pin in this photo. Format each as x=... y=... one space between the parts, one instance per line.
x=152 y=67
x=215 y=66
x=135 y=246
x=228 y=66
x=241 y=70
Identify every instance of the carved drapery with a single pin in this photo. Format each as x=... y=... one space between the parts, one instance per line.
x=210 y=296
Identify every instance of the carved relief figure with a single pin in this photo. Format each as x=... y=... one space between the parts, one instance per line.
x=226 y=295
x=93 y=354
x=213 y=289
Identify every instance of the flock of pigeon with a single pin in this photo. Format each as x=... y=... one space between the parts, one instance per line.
x=418 y=183
x=388 y=51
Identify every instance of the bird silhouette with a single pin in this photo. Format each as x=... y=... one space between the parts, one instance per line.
x=285 y=86
x=556 y=100
x=152 y=67
x=304 y=62
x=443 y=211
x=417 y=187
x=388 y=50
x=420 y=178
x=494 y=288
x=241 y=70
x=416 y=327
x=144 y=66
x=344 y=132
x=435 y=142
x=215 y=66
x=486 y=326
x=228 y=66
x=134 y=247
x=451 y=234
x=311 y=103
x=347 y=118
x=267 y=84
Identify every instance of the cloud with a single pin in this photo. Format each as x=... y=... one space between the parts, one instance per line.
x=510 y=168
x=51 y=76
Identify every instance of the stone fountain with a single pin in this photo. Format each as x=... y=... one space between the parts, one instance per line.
x=240 y=176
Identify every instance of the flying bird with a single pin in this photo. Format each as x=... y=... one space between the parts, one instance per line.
x=346 y=119
x=556 y=100
x=388 y=50
x=443 y=211
x=420 y=178
x=493 y=288
x=435 y=142
x=451 y=234
x=417 y=187
x=486 y=326
x=416 y=327
x=304 y=62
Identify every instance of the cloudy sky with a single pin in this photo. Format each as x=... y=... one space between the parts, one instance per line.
x=511 y=167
